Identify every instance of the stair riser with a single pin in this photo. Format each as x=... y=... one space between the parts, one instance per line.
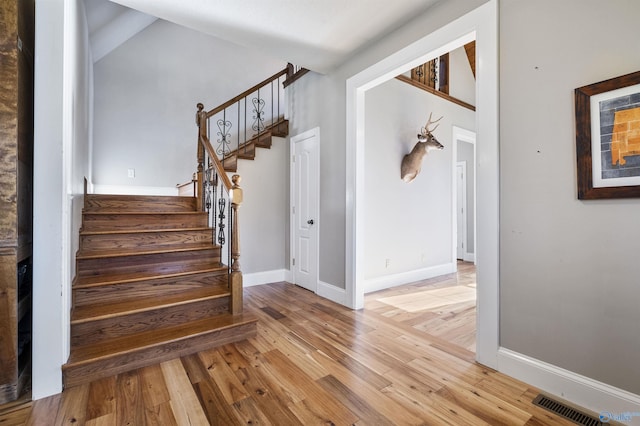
x=128 y=203
x=264 y=141
x=248 y=152
x=147 y=240
x=162 y=263
x=137 y=222
x=230 y=163
x=77 y=374
x=281 y=130
x=145 y=289
x=125 y=325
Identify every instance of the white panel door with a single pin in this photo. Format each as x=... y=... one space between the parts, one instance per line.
x=304 y=212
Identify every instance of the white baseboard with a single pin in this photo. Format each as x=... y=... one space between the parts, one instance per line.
x=469 y=257
x=264 y=277
x=591 y=394
x=134 y=190
x=402 y=278
x=328 y=291
x=331 y=292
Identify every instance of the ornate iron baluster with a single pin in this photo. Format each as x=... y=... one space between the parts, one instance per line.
x=224 y=140
x=419 y=71
x=222 y=202
x=211 y=217
x=258 y=114
x=207 y=187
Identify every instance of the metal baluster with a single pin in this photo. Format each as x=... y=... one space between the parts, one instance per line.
x=224 y=136
x=221 y=216
x=230 y=233
x=212 y=217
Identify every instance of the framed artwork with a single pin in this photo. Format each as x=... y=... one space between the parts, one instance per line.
x=608 y=138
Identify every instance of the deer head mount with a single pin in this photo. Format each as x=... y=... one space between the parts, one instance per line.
x=412 y=162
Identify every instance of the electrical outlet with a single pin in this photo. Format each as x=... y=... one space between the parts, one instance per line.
x=387 y=262
x=131 y=173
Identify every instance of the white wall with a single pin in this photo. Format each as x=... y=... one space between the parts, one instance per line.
x=61 y=145
x=80 y=108
x=411 y=224
x=570 y=290
x=462 y=83
x=264 y=213
x=146 y=93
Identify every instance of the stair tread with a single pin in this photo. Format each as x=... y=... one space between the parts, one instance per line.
x=127 y=344
x=85 y=313
x=136 y=251
x=141 y=212
x=143 y=231
x=131 y=197
x=89 y=281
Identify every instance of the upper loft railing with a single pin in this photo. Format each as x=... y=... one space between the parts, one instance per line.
x=225 y=132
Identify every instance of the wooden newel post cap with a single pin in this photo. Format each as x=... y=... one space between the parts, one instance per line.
x=199 y=114
x=237 y=191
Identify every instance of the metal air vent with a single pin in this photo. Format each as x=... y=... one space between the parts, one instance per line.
x=565 y=411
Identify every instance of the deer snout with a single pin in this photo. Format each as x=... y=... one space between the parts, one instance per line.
x=434 y=145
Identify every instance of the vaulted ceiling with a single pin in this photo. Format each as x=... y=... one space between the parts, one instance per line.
x=316 y=34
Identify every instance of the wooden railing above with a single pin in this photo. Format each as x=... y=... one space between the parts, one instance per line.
x=248 y=92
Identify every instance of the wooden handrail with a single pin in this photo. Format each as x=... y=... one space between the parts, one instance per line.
x=435 y=92
x=204 y=140
x=294 y=77
x=247 y=92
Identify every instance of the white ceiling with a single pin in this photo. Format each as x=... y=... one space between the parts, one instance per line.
x=316 y=34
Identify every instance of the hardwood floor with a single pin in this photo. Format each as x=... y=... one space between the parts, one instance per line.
x=444 y=306
x=312 y=362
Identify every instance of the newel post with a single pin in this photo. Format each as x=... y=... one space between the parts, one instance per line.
x=201 y=121
x=235 y=282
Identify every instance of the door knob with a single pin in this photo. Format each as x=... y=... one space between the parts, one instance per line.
x=310 y=221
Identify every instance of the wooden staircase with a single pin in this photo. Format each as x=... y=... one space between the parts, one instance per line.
x=150 y=286
x=247 y=150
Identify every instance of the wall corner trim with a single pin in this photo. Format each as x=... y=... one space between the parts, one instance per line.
x=331 y=292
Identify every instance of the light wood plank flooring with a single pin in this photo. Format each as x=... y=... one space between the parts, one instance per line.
x=444 y=306
x=312 y=362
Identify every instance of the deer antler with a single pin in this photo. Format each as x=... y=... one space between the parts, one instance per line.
x=426 y=129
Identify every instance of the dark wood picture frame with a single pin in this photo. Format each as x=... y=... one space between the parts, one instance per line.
x=586 y=190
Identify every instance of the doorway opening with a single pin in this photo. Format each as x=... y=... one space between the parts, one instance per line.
x=481 y=25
